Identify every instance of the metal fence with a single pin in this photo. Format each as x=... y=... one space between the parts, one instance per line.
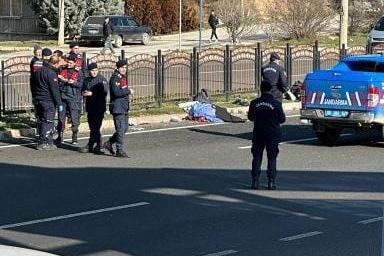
x=179 y=75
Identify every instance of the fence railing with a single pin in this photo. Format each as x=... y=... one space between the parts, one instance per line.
x=179 y=75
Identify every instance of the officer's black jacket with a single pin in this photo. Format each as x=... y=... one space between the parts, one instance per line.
x=32 y=77
x=98 y=85
x=119 y=92
x=267 y=115
x=275 y=75
x=47 y=86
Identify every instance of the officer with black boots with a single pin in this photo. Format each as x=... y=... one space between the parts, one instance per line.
x=274 y=74
x=119 y=93
x=47 y=97
x=71 y=82
x=267 y=115
x=94 y=91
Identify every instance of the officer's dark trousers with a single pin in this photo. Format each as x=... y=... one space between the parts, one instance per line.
x=46 y=115
x=272 y=149
x=73 y=108
x=95 y=121
x=121 y=127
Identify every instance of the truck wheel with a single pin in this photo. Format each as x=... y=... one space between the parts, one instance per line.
x=329 y=136
x=118 y=42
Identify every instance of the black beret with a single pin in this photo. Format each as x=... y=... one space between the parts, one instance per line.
x=47 y=52
x=121 y=63
x=73 y=44
x=92 y=65
x=72 y=57
x=275 y=56
x=265 y=86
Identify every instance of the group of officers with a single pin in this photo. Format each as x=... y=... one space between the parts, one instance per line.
x=59 y=83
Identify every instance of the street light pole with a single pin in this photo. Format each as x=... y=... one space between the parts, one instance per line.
x=60 y=40
x=200 y=22
x=343 y=24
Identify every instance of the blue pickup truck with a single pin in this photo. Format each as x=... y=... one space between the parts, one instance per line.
x=349 y=95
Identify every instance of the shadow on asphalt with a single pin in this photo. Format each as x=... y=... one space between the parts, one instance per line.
x=30 y=193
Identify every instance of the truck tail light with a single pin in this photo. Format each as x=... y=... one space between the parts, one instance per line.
x=303 y=94
x=372 y=97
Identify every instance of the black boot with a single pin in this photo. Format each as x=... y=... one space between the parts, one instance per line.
x=87 y=148
x=97 y=149
x=121 y=153
x=59 y=138
x=108 y=146
x=271 y=185
x=74 y=138
x=255 y=183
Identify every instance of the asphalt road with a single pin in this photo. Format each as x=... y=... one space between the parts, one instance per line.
x=184 y=191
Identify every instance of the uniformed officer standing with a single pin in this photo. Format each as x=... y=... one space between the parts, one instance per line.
x=267 y=115
x=74 y=49
x=274 y=74
x=119 y=93
x=95 y=90
x=71 y=82
x=47 y=97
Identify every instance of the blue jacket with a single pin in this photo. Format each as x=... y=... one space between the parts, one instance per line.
x=119 y=93
x=275 y=75
x=47 y=86
x=95 y=104
x=267 y=115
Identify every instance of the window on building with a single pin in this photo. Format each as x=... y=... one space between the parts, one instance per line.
x=11 y=8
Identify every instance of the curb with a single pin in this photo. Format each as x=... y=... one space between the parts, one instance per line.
x=13 y=251
x=166 y=118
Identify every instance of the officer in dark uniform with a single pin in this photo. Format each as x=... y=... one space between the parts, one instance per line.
x=94 y=91
x=274 y=74
x=47 y=96
x=267 y=115
x=71 y=82
x=119 y=93
x=74 y=49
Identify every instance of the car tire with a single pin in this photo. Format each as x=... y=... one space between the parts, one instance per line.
x=118 y=41
x=329 y=136
x=145 y=38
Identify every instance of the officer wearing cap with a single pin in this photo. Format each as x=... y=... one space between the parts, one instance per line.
x=267 y=114
x=119 y=107
x=274 y=74
x=71 y=82
x=47 y=96
x=94 y=91
x=74 y=49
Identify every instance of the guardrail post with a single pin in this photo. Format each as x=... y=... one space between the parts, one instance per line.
x=258 y=65
x=158 y=78
x=227 y=72
x=316 y=56
x=195 y=68
x=288 y=63
x=343 y=52
x=122 y=54
x=2 y=103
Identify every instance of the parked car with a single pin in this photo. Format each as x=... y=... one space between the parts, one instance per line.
x=125 y=29
x=376 y=35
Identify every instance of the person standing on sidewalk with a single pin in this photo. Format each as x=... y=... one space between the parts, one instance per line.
x=107 y=32
x=47 y=98
x=119 y=107
x=94 y=91
x=267 y=114
x=213 y=22
x=274 y=74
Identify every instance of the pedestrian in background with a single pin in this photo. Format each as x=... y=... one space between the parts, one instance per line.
x=119 y=107
x=275 y=75
x=267 y=114
x=107 y=32
x=94 y=91
x=213 y=22
x=47 y=99
x=71 y=82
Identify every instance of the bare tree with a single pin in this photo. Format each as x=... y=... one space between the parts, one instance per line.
x=299 y=18
x=240 y=20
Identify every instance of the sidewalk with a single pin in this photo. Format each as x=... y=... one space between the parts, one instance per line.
x=155 y=119
x=17 y=251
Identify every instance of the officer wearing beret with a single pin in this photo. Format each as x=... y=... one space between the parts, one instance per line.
x=119 y=107
x=74 y=49
x=267 y=115
x=274 y=74
x=94 y=91
x=47 y=97
x=71 y=82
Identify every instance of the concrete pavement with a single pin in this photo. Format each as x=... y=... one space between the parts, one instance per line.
x=17 y=251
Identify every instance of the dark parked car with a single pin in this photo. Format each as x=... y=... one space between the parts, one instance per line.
x=125 y=29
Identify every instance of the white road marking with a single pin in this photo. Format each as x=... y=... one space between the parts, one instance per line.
x=128 y=133
x=221 y=253
x=365 y=222
x=309 y=234
x=294 y=141
x=73 y=215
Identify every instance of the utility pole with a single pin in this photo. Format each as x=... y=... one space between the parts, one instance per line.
x=343 y=24
x=180 y=24
x=60 y=40
x=200 y=22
